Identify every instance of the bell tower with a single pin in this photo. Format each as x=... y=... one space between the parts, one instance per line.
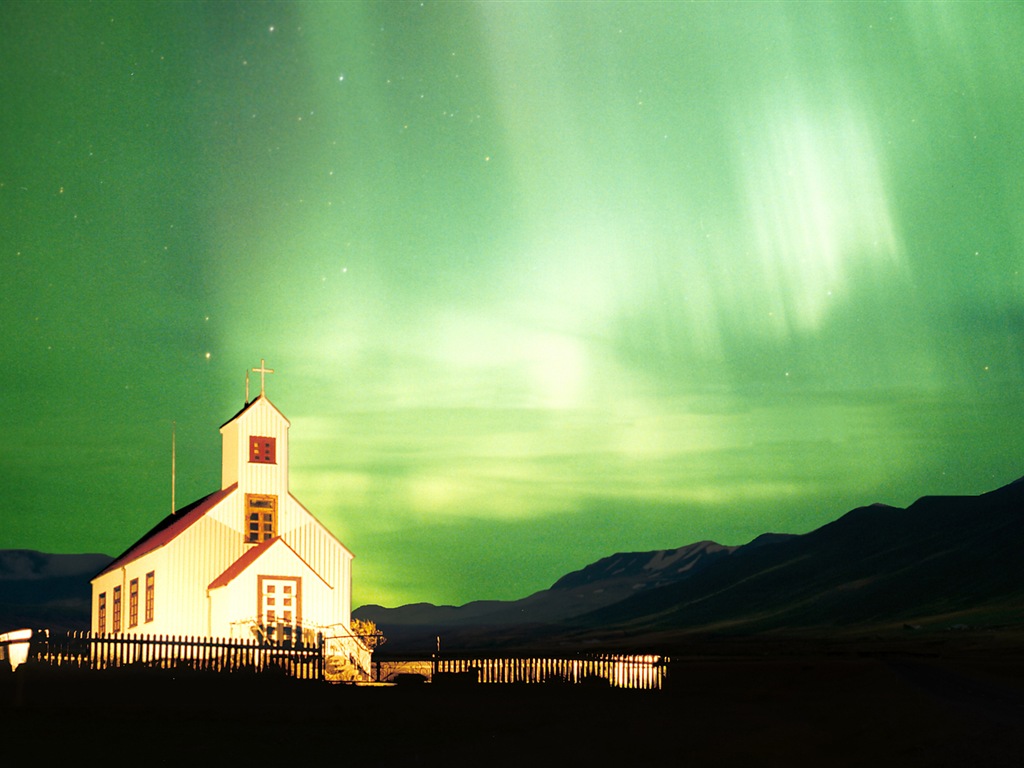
x=254 y=446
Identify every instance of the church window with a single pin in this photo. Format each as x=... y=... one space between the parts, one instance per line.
x=117 y=611
x=150 y=594
x=260 y=517
x=133 y=603
x=279 y=599
x=263 y=450
x=101 y=612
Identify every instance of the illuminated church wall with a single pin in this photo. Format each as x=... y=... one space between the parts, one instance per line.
x=245 y=556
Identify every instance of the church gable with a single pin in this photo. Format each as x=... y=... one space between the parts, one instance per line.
x=271 y=556
x=270 y=589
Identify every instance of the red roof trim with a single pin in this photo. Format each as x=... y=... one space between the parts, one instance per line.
x=169 y=528
x=251 y=556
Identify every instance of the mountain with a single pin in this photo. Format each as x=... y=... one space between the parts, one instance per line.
x=45 y=590
x=942 y=561
x=600 y=584
x=607 y=582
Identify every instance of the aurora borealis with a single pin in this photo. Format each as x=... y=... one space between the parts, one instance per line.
x=540 y=281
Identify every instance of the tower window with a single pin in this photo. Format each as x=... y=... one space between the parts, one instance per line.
x=260 y=517
x=262 y=450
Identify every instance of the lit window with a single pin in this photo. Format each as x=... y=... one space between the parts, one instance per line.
x=101 y=623
x=150 y=594
x=260 y=517
x=117 y=610
x=263 y=450
x=133 y=603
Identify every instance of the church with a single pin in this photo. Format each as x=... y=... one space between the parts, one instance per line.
x=246 y=561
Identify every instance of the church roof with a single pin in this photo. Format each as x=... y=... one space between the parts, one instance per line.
x=250 y=556
x=249 y=405
x=169 y=528
x=244 y=408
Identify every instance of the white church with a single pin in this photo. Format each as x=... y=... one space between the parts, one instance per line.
x=246 y=561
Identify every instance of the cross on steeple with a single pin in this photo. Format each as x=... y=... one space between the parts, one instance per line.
x=262 y=371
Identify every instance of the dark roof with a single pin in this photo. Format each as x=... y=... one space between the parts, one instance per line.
x=169 y=528
x=244 y=408
x=249 y=405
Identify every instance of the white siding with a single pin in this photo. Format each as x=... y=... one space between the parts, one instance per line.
x=327 y=556
x=237 y=601
x=122 y=577
x=228 y=454
x=264 y=420
x=196 y=558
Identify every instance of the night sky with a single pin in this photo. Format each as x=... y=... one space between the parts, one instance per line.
x=540 y=282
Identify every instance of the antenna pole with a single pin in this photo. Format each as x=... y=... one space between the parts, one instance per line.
x=174 y=426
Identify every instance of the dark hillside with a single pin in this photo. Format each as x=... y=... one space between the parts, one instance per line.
x=45 y=590
x=942 y=561
x=876 y=565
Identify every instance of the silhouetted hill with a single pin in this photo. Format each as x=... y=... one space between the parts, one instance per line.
x=877 y=565
x=45 y=590
x=606 y=582
x=944 y=560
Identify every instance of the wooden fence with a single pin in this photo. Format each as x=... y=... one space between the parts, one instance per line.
x=85 y=650
x=641 y=672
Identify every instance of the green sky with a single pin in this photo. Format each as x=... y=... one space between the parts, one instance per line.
x=540 y=281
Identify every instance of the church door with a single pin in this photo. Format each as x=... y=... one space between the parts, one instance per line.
x=280 y=606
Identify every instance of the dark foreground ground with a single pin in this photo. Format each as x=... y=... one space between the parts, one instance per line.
x=899 y=707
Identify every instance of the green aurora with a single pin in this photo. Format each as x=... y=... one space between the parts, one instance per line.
x=540 y=282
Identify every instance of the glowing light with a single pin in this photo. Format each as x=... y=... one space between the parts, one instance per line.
x=569 y=325
x=818 y=207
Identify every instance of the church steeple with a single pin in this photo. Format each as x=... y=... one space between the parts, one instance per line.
x=254 y=451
